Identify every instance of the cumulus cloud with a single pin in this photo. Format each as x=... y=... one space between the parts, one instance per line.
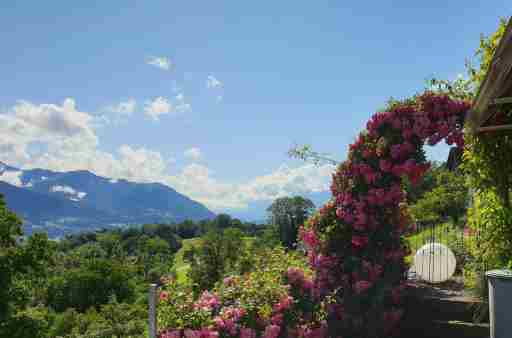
x=198 y=182
x=12 y=177
x=59 y=127
x=193 y=153
x=289 y=181
x=69 y=191
x=162 y=106
x=161 y=62
x=212 y=82
x=114 y=114
x=157 y=107
x=70 y=143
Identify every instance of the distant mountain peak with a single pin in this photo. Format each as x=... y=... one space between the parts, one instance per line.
x=74 y=201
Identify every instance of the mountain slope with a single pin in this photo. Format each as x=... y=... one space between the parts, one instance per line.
x=66 y=202
x=57 y=216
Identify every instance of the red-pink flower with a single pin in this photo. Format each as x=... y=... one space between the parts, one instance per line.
x=396 y=295
x=164 y=296
x=171 y=334
x=272 y=331
x=385 y=165
x=277 y=319
x=246 y=332
x=359 y=242
x=361 y=286
x=192 y=333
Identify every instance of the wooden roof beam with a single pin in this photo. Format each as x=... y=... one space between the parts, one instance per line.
x=503 y=127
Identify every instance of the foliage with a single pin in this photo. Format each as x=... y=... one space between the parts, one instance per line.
x=21 y=262
x=448 y=199
x=92 y=284
x=490 y=223
x=488 y=161
x=113 y=320
x=416 y=191
x=306 y=153
x=271 y=300
x=221 y=253
x=485 y=53
x=288 y=214
x=488 y=166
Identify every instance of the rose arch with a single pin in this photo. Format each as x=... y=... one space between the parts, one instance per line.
x=355 y=243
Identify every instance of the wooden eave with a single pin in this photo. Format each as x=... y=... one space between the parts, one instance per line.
x=495 y=88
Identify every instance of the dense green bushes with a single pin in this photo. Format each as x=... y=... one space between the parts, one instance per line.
x=90 y=285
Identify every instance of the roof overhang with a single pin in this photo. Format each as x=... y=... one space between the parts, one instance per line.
x=496 y=87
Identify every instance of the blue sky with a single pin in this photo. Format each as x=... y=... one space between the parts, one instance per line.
x=237 y=83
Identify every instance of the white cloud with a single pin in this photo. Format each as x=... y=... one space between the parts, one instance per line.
x=161 y=62
x=289 y=181
x=12 y=177
x=69 y=191
x=157 y=107
x=220 y=98
x=213 y=82
x=162 y=106
x=70 y=143
x=193 y=153
x=60 y=128
x=197 y=182
x=114 y=114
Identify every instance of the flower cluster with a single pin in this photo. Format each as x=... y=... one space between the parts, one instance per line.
x=207 y=302
x=274 y=301
x=362 y=238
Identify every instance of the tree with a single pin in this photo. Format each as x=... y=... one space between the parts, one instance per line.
x=90 y=285
x=152 y=252
x=414 y=192
x=218 y=255
x=222 y=221
x=288 y=214
x=21 y=262
x=448 y=199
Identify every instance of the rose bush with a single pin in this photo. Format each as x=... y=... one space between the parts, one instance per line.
x=355 y=245
x=273 y=301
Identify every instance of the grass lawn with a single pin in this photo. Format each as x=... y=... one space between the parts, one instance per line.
x=180 y=266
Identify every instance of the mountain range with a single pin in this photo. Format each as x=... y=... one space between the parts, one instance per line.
x=60 y=203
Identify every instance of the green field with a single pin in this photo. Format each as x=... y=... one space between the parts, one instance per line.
x=180 y=266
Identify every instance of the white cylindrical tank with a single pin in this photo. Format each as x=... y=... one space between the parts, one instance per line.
x=434 y=263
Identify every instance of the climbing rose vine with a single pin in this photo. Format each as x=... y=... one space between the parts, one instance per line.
x=355 y=243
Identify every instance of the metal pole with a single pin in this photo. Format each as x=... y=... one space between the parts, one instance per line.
x=152 y=310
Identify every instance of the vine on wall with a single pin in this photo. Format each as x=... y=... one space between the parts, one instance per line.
x=488 y=167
